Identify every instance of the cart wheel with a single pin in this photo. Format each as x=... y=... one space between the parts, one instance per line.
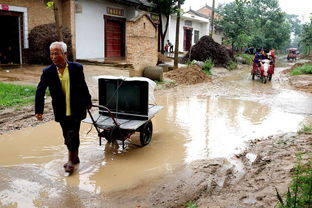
x=146 y=133
x=253 y=76
x=270 y=77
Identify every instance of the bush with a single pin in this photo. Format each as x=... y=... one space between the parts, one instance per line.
x=208 y=64
x=232 y=65
x=305 y=69
x=248 y=58
x=40 y=38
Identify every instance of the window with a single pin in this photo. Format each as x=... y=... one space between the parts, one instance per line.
x=188 y=23
x=196 y=36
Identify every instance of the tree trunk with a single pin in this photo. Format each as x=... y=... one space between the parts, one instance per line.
x=57 y=22
x=161 y=32
x=176 y=51
x=212 y=17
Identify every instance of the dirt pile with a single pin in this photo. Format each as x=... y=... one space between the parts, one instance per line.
x=188 y=75
x=207 y=48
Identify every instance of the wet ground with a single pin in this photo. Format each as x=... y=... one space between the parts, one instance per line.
x=198 y=122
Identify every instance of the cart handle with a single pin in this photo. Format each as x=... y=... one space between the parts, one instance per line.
x=109 y=113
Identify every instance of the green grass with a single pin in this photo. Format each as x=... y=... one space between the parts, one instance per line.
x=190 y=205
x=305 y=69
x=305 y=129
x=299 y=194
x=248 y=57
x=208 y=64
x=16 y=95
x=164 y=82
x=232 y=65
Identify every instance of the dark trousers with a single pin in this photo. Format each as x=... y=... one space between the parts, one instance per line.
x=70 y=128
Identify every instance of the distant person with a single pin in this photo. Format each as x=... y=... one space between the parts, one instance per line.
x=170 y=46
x=166 y=48
x=272 y=55
x=257 y=57
x=70 y=98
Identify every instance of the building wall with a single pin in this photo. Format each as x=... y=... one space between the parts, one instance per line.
x=141 y=42
x=38 y=13
x=90 y=27
x=202 y=27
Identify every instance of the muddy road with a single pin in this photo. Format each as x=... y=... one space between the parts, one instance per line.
x=198 y=139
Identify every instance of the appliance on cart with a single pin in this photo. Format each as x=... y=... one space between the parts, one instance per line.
x=126 y=105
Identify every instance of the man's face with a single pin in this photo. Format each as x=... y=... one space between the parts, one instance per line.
x=57 y=56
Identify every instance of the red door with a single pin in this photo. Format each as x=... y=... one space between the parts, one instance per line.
x=187 y=38
x=114 y=38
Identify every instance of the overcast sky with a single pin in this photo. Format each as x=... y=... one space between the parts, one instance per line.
x=303 y=8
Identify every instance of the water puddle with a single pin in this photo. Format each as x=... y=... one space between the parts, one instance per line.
x=193 y=125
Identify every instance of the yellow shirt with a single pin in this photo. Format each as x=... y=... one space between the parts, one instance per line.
x=65 y=82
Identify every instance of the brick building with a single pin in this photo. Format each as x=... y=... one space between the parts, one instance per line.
x=101 y=29
x=19 y=17
x=115 y=30
x=206 y=12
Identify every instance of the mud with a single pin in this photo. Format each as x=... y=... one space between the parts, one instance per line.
x=211 y=144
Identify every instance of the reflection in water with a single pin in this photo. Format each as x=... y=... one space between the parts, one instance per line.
x=219 y=127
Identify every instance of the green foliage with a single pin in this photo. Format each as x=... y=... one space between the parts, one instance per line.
x=305 y=69
x=242 y=1
x=208 y=64
x=260 y=24
x=232 y=65
x=190 y=205
x=305 y=129
x=50 y=4
x=247 y=57
x=189 y=62
x=306 y=36
x=299 y=194
x=165 y=82
x=15 y=95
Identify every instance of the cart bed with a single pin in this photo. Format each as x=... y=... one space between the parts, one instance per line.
x=103 y=121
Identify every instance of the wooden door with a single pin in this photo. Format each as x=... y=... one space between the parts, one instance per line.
x=114 y=38
x=187 y=39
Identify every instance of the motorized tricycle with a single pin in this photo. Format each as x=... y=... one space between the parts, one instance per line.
x=264 y=70
x=292 y=54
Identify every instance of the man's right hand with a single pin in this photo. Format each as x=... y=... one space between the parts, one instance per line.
x=39 y=117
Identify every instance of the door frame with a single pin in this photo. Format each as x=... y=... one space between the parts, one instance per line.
x=123 y=33
x=20 y=28
x=184 y=38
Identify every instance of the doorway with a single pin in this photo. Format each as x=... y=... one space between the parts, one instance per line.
x=187 y=43
x=11 y=37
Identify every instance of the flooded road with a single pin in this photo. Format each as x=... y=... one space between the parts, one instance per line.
x=202 y=121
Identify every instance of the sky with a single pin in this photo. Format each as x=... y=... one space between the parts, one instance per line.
x=303 y=8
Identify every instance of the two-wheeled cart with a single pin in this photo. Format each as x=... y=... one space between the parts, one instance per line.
x=123 y=110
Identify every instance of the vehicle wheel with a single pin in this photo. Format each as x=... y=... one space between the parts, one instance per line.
x=264 y=80
x=270 y=77
x=253 y=76
x=146 y=133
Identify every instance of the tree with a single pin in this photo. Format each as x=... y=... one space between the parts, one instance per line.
x=270 y=23
x=259 y=23
x=176 y=50
x=54 y=5
x=166 y=8
x=212 y=17
x=306 y=36
x=235 y=23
